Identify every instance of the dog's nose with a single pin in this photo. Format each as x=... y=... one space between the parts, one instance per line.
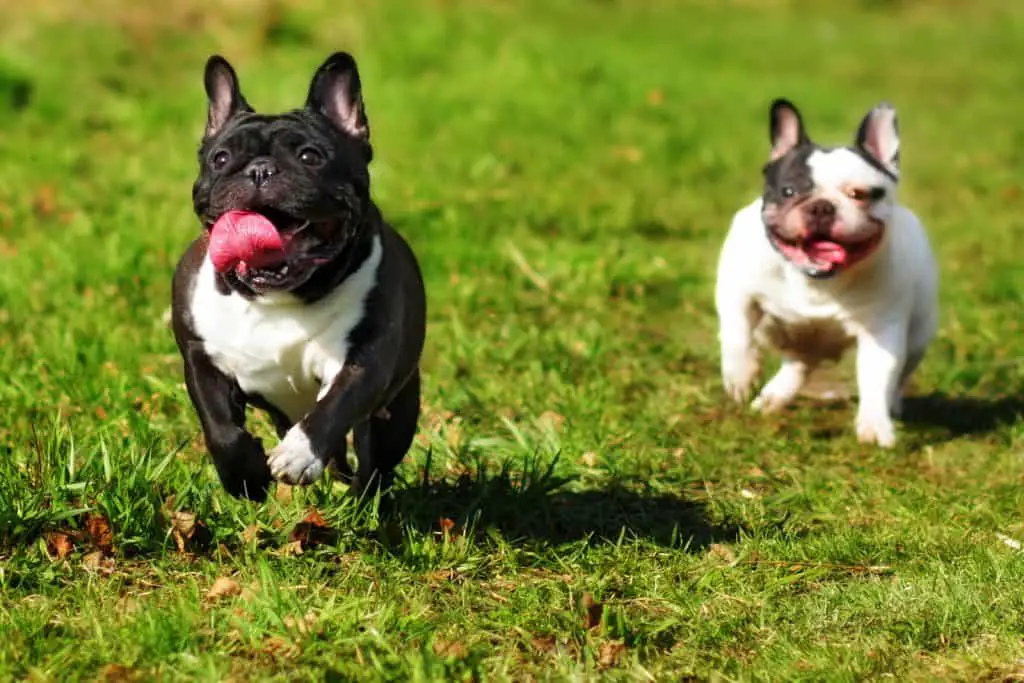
x=820 y=214
x=260 y=171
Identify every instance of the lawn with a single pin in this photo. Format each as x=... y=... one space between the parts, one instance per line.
x=581 y=502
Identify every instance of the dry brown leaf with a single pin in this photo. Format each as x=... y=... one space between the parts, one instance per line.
x=592 y=611
x=251 y=533
x=223 y=587
x=312 y=531
x=93 y=561
x=552 y=419
x=59 y=544
x=722 y=553
x=279 y=647
x=117 y=673
x=97 y=529
x=44 y=203
x=588 y=459
x=449 y=648
x=291 y=548
x=283 y=494
x=611 y=653
x=656 y=97
x=544 y=643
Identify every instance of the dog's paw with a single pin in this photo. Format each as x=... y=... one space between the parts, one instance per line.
x=876 y=430
x=768 y=402
x=739 y=377
x=293 y=460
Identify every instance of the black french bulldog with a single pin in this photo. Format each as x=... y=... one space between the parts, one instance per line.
x=327 y=339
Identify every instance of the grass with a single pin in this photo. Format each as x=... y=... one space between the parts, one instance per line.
x=581 y=503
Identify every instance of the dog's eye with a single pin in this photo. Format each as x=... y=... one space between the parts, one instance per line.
x=865 y=194
x=310 y=157
x=220 y=159
x=788 y=191
x=877 y=194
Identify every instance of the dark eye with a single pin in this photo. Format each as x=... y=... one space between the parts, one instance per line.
x=310 y=157
x=876 y=194
x=220 y=159
x=788 y=191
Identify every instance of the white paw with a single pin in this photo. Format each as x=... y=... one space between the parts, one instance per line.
x=768 y=401
x=739 y=377
x=293 y=461
x=876 y=429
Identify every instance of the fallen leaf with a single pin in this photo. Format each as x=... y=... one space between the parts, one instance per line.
x=44 y=203
x=312 y=531
x=283 y=494
x=544 y=643
x=223 y=587
x=592 y=611
x=279 y=647
x=655 y=97
x=611 y=653
x=251 y=533
x=292 y=548
x=117 y=673
x=451 y=649
x=552 y=419
x=446 y=524
x=93 y=561
x=717 y=551
x=589 y=459
x=187 y=531
x=59 y=544
x=97 y=528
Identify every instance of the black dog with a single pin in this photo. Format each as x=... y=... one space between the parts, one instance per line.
x=327 y=338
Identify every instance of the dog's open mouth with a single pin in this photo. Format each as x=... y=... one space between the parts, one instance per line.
x=821 y=257
x=258 y=246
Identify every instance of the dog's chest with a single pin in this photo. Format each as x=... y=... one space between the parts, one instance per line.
x=801 y=322
x=286 y=352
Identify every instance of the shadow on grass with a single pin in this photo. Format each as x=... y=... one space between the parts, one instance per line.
x=962 y=415
x=537 y=506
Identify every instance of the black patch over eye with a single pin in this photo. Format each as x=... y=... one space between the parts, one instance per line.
x=788 y=191
x=876 y=193
x=310 y=156
x=220 y=159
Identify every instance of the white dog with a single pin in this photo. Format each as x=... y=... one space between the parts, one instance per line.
x=828 y=258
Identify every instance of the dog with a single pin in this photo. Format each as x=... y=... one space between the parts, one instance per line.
x=826 y=259
x=324 y=331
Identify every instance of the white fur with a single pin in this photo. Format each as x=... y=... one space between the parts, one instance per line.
x=887 y=305
x=286 y=351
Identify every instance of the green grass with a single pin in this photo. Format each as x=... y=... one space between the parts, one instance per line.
x=581 y=502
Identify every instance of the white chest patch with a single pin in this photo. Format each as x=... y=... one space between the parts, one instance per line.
x=284 y=350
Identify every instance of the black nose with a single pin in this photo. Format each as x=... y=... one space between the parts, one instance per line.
x=260 y=171
x=821 y=213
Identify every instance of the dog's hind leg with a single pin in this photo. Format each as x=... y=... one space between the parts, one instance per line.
x=382 y=441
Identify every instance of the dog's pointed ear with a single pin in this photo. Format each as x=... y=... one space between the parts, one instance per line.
x=336 y=93
x=225 y=98
x=879 y=137
x=785 y=127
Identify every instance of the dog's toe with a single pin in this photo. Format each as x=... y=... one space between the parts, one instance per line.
x=293 y=460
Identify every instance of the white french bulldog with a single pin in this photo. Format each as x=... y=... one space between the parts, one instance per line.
x=828 y=258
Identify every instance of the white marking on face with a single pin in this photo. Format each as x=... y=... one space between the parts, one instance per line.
x=276 y=346
x=834 y=171
x=293 y=460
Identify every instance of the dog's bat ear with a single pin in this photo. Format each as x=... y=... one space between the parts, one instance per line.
x=336 y=93
x=225 y=98
x=879 y=137
x=785 y=127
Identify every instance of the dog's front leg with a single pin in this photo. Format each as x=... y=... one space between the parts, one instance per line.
x=220 y=403
x=738 y=316
x=881 y=354
x=355 y=392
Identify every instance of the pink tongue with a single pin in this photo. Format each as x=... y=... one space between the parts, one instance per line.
x=244 y=239
x=826 y=252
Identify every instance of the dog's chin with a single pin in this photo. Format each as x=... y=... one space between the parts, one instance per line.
x=822 y=258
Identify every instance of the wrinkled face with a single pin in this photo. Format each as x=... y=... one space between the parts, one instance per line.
x=305 y=171
x=826 y=210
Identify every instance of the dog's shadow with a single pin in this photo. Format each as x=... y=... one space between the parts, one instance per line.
x=962 y=415
x=535 y=505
